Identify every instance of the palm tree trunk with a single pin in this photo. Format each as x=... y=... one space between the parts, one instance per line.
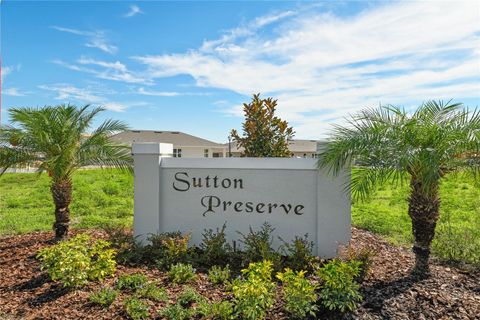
x=62 y=196
x=423 y=209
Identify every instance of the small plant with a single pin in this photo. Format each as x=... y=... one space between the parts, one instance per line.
x=152 y=292
x=218 y=274
x=254 y=294
x=339 y=290
x=136 y=309
x=181 y=273
x=111 y=188
x=258 y=245
x=78 y=260
x=298 y=253
x=259 y=270
x=168 y=248
x=132 y=281
x=299 y=294
x=215 y=247
x=189 y=296
x=104 y=297
x=128 y=250
x=176 y=312
x=458 y=243
x=222 y=310
x=364 y=256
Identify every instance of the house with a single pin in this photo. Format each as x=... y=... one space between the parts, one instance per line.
x=184 y=145
x=188 y=146
x=299 y=148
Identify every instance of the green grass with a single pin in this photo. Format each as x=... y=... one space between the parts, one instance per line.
x=100 y=197
x=104 y=197
x=458 y=230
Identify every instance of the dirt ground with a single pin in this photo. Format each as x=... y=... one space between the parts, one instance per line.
x=389 y=293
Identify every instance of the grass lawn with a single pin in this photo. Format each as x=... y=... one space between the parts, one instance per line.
x=100 y=197
x=458 y=230
x=106 y=197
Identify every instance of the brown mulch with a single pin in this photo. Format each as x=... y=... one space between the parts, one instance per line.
x=389 y=292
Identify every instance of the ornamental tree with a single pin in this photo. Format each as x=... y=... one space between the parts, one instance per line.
x=388 y=143
x=264 y=134
x=55 y=141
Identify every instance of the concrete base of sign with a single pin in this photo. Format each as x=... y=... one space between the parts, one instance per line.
x=191 y=195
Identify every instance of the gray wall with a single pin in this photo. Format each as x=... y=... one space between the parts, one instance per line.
x=166 y=199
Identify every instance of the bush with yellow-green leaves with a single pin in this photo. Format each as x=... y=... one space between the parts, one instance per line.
x=79 y=260
x=298 y=293
x=254 y=295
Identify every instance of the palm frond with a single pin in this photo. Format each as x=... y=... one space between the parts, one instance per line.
x=386 y=142
x=56 y=138
x=364 y=181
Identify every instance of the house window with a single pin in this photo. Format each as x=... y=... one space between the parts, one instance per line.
x=177 y=153
x=205 y=153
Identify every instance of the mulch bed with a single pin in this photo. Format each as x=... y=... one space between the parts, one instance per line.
x=389 y=293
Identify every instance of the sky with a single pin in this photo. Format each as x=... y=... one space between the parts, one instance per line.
x=189 y=66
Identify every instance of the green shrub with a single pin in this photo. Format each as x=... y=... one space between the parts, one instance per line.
x=298 y=293
x=104 y=297
x=215 y=247
x=189 y=296
x=78 y=260
x=132 y=281
x=222 y=310
x=176 y=312
x=258 y=245
x=168 y=248
x=181 y=273
x=152 y=292
x=129 y=252
x=254 y=294
x=259 y=270
x=458 y=243
x=298 y=253
x=111 y=188
x=136 y=309
x=364 y=256
x=218 y=274
x=339 y=289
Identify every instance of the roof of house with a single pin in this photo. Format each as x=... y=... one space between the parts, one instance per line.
x=174 y=137
x=293 y=146
x=302 y=145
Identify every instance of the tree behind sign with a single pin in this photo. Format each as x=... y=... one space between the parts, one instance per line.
x=264 y=134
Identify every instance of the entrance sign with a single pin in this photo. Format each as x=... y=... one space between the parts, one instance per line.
x=193 y=194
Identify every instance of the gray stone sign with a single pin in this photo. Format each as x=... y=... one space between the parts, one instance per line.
x=193 y=194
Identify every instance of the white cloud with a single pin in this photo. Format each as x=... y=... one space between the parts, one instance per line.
x=69 y=93
x=114 y=106
x=115 y=71
x=142 y=91
x=158 y=93
x=101 y=43
x=14 y=92
x=7 y=70
x=134 y=10
x=95 y=39
x=245 y=30
x=322 y=66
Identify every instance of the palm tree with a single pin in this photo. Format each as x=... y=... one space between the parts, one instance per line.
x=387 y=144
x=54 y=139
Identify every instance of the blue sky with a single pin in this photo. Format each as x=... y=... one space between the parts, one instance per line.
x=189 y=66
